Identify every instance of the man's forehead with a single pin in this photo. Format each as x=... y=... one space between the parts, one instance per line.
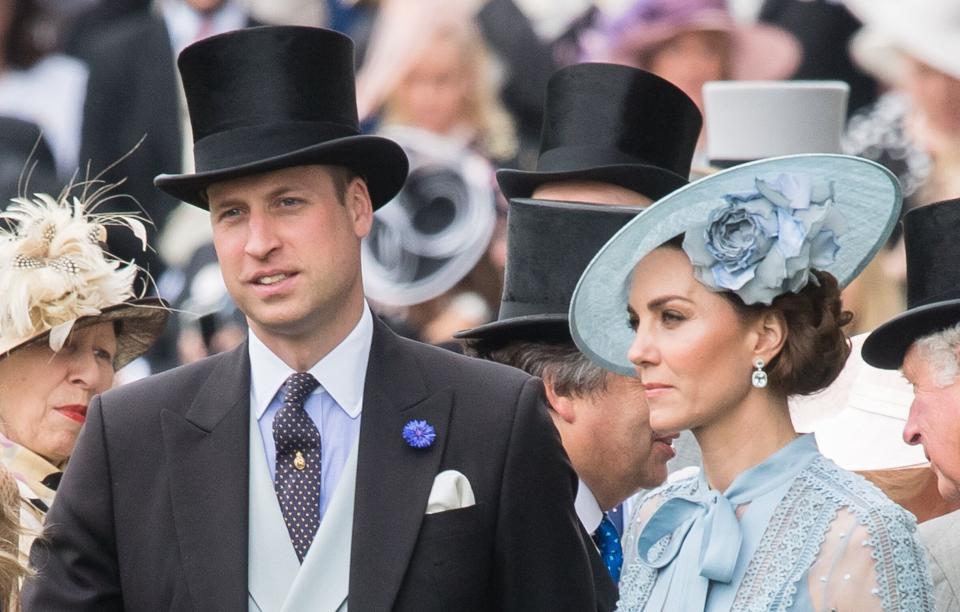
x=286 y=178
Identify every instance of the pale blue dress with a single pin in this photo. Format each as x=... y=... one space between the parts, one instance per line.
x=810 y=536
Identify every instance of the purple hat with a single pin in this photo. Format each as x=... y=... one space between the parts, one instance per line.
x=759 y=52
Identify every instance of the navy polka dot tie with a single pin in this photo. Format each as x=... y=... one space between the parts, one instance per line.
x=608 y=541
x=298 y=462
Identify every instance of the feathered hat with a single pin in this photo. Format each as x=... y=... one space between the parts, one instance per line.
x=55 y=276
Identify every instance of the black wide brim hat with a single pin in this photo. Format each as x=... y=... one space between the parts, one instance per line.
x=613 y=124
x=933 y=284
x=548 y=246
x=267 y=98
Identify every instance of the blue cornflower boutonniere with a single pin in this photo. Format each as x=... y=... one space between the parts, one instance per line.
x=419 y=434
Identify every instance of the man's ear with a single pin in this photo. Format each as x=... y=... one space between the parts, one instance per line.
x=358 y=202
x=562 y=405
x=771 y=333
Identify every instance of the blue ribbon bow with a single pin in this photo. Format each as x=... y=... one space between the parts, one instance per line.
x=722 y=536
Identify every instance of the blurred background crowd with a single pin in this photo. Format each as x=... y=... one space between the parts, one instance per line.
x=460 y=84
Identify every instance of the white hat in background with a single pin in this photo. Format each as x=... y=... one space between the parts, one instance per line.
x=748 y=120
x=858 y=420
x=927 y=30
x=432 y=234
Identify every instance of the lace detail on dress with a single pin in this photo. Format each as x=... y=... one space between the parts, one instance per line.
x=638 y=578
x=794 y=541
x=797 y=529
x=786 y=550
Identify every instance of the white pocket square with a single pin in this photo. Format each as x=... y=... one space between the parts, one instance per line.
x=451 y=491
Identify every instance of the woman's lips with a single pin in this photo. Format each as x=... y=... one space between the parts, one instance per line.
x=77 y=412
x=656 y=389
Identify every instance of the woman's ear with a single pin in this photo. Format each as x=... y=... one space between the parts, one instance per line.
x=771 y=330
x=561 y=405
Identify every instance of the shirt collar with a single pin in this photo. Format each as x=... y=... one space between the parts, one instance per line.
x=588 y=509
x=184 y=23
x=341 y=373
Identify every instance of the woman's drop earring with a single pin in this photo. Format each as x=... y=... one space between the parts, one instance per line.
x=759 y=377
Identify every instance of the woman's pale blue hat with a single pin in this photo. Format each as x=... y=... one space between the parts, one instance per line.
x=756 y=229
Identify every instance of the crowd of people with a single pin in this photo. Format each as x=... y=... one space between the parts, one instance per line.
x=479 y=304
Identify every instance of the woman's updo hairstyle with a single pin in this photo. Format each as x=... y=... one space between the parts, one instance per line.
x=816 y=347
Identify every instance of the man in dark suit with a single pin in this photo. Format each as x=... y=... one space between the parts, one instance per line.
x=133 y=93
x=615 y=138
x=384 y=474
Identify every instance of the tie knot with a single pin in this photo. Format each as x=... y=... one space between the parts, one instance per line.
x=297 y=387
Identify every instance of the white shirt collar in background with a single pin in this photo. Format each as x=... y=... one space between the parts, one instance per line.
x=184 y=23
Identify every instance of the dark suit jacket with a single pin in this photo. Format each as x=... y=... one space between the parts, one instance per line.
x=132 y=93
x=152 y=511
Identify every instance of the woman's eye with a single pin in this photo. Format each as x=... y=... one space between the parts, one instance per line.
x=103 y=354
x=633 y=321
x=670 y=316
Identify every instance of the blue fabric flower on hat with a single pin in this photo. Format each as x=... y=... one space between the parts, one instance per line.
x=419 y=434
x=766 y=242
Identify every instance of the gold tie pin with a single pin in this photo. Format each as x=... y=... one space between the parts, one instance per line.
x=299 y=462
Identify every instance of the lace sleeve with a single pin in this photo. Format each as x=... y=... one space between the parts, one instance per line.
x=871 y=563
x=631 y=531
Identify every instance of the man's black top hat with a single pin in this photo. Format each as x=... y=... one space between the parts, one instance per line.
x=933 y=284
x=549 y=244
x=272 y=97
x=615 y=124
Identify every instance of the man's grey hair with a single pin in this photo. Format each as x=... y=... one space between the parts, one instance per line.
x=941 y=350
x=572 y=374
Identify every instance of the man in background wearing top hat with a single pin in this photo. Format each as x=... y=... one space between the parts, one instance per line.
x=409 y=479
x=614 y=139
x=924 y=342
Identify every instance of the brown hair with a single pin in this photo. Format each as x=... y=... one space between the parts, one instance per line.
x=816 y=347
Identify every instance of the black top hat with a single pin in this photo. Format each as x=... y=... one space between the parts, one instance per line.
x=549 y=244
x=615 y=124
x=272 y=97
x=933 y=284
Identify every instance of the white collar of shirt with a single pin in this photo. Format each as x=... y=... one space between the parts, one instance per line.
x=183 y=23
x=588 y=509
x=341 y=373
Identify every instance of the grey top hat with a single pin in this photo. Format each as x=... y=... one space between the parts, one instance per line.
x=749 y=120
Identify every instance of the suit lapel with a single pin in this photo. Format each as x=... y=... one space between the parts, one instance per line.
x=207 y=450
x=393 y=479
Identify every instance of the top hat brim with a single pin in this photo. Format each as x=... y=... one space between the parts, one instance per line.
x=546 y=327
x=651 y=181
x=141 y=323
x=888 y=344
x=381 y=162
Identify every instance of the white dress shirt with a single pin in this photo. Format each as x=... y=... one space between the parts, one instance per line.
x=334 y=406
x=587 y=507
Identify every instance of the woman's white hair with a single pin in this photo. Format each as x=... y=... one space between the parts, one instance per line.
x=942 y=351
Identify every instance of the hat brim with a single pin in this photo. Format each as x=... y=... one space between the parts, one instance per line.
x=380 y=161
x=549 y=326
x=141 y=323
x=888 y=344
x=759 y=51
x=866 y=194
x=651 y=181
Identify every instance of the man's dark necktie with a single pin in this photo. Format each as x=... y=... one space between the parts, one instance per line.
x=608 y=541
x=298 y=462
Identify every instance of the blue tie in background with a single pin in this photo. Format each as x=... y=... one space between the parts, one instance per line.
x=608 y=541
